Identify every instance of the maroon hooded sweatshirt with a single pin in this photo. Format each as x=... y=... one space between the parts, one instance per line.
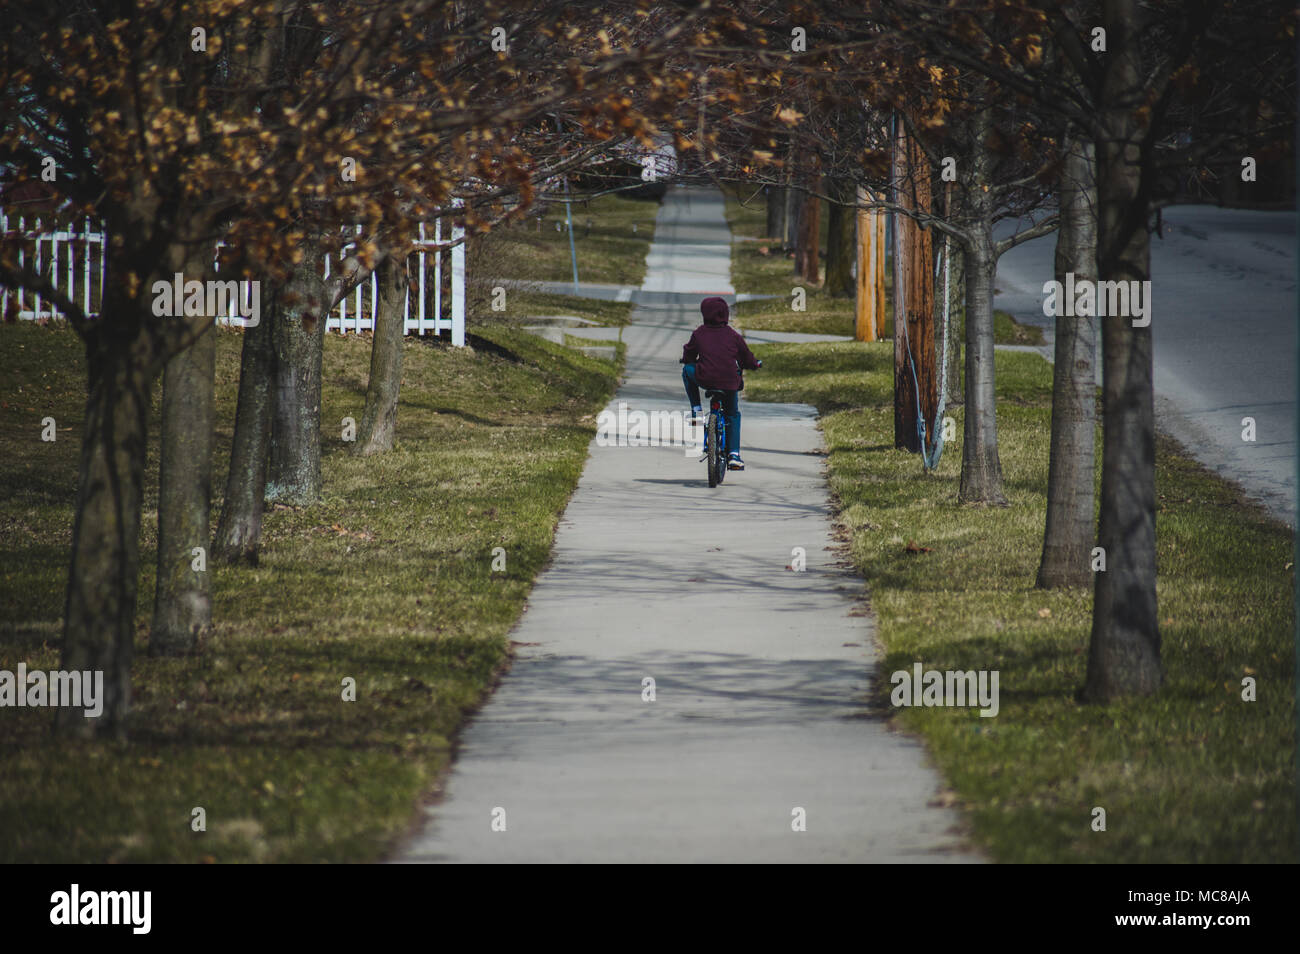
x=717 y=350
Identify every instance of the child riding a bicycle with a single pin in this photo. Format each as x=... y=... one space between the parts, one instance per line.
x=713 y=359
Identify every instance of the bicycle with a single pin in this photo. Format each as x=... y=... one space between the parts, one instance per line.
x=715 y=438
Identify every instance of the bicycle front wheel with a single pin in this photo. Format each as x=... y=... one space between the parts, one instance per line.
x=719 y=446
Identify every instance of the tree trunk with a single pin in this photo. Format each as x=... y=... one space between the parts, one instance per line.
x=808 y=242
x=981 y=468
x=294 y=474
x=776 y=202
x=182 y=610
x=379 y=421
x=794 y=199
x=239 y=532
x=1124 y=650
x=943 y=351
x=956 y=317
x=1067 y=541
x=99 y=609
x=841 y=241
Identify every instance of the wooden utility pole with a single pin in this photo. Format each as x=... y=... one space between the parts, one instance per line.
x=864 y=325
x=880 y=247
x=913 y=296
x=870 y=315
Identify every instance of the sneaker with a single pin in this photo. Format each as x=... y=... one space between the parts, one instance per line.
x=696 y=418
x=734 y=462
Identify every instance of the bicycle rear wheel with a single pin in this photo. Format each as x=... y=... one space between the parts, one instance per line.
x=711 y=452
x=720 y=446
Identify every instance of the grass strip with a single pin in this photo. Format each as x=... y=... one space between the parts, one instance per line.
x=608 y=250
x=387 y=581
x=1193 y=774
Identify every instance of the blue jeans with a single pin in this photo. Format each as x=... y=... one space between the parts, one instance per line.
x=730 y=406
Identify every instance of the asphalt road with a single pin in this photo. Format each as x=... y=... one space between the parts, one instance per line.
x=1224 y=331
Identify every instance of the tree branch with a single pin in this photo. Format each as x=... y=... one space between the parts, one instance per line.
x=1047 y=225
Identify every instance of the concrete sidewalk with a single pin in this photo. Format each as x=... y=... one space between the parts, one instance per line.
x=760 y=673
x=608 y=292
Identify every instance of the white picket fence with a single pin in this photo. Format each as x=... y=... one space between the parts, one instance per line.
x=55 y=253
x=57 y=266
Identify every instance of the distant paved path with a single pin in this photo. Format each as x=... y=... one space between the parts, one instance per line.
x=760 y=672
x=601 y=290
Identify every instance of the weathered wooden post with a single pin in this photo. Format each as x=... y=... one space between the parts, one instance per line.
x=914 y=360
x=869 y=324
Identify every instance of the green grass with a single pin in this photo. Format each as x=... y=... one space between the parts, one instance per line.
x=607 y=249
x=524 y=303
x=1193 y=774
x=1006 y=330
x=822 y=315
x=578 y=341
x=387 y=581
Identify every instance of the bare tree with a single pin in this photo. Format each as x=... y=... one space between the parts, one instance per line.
x=378 y=426
x=176 y=139
x=1068 y=537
